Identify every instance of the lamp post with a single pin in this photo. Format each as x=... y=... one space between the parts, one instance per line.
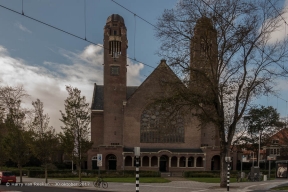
x=259 y=149
x=252 y=158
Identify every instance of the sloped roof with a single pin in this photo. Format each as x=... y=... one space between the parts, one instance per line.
x=173 y=150
x=161 y=68
x=97 y=100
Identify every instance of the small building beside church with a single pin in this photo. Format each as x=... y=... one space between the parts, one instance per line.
x=124 y=117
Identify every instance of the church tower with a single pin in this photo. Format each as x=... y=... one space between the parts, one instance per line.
x=115 y=77
x=203 y=54
x=203 y=73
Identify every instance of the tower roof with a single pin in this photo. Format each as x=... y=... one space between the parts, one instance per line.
x=115 y=17
x=204 y=23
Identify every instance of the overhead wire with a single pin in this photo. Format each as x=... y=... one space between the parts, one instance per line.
x=278 y=12
x=22 y=8
x=214 y=12
x=134 y=36
x=85 y=17
x=71 y=34
x=134 y=59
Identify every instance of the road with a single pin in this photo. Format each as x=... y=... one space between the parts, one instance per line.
x=4 y=188
x=37 y=184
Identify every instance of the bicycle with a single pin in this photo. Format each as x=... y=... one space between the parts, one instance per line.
x=100 y=181
x=238 y=177
x=250 y=177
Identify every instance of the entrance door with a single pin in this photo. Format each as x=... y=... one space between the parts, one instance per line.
x=112 y=162
x=163 y=163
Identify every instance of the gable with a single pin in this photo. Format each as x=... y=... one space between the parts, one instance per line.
x=98 y=96
x=159 y=83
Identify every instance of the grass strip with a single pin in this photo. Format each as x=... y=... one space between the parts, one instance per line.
x=123 y=180
x=209 y=180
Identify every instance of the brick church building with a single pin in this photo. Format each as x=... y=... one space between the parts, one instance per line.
x=124 y=117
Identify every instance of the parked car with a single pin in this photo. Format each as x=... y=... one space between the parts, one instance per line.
x=7 y=177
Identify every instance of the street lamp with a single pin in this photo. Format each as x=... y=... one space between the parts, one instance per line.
x=259 y=149
x=252 y=158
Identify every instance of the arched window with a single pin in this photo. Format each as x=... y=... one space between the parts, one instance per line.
x=161 y=125
x=94 y=162
x=182 y=162
x=191 y=162
x=154 y=161
x=128 y=161
x=111 y=162
x=215 y=162
x=174 y=161
x=145 y=162
x=199 y=162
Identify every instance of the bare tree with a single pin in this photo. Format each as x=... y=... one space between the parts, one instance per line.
x=224 y=54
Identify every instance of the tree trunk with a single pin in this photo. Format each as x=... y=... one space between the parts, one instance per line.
x=223 y=172
x=20 y=170
x=46 y=174
x=79 y=172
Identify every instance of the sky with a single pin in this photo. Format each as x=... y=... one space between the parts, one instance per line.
x=44 y=59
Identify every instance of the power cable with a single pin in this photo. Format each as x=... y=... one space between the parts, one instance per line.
x=71 y=34
x=278 y=13
x=84 y=39
x=85 y=17
x=22 y=8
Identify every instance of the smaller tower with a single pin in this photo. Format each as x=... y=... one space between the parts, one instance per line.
x=115 y=77
x=203 y=73
x=203 y=54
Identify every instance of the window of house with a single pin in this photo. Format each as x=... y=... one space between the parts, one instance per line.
x=275 y=151
x=275 y=141
x=115 y=70
x=115 y=32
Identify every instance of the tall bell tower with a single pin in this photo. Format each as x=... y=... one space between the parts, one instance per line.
x=115 y=78
x=203 y=74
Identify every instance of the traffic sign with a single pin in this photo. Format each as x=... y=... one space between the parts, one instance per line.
x=99 y=160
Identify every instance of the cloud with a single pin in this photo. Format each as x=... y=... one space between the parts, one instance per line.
x=23 y=28
x=84 y=70
x=282 y=32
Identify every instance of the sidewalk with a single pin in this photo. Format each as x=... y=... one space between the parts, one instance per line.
x=173 y=186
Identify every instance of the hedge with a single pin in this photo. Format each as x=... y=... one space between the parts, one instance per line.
x=90 y=173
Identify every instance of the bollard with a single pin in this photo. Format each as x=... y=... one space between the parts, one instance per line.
x=137 y=174
x=228 y=176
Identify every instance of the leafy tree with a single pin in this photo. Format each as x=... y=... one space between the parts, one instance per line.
x=16 y=143
x=45 y=140
x=262 y=123
x=235 y=61
x=76 y=130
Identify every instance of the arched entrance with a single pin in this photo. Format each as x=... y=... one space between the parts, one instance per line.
x=94 y=162
x=163 y=163
x=215 y=162
x=111 y=162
